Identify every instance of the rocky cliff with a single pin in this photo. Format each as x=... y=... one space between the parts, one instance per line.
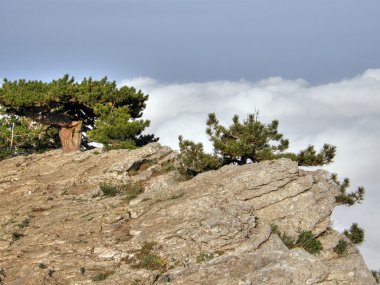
x=221 y=227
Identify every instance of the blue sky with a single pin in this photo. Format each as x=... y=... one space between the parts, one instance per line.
x=189 y=40
x=314 y=65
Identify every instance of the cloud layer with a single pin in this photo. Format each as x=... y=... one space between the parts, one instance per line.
x=345 y=114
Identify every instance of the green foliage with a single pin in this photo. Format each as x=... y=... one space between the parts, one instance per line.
x=376 y=275
x=21 y=136
x=274 y=228
x=287 y=240
x=245 y=142
x=341 y=247
x=109 y=190
x=112 y=130
x=350 y=198
x=204 y=257
x=130 y=190
x=355 y=234
x=110 y=115
x=194 y=160
x=305 y=239
x=149 y=260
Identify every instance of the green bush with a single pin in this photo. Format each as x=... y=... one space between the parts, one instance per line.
x=130 y=190
x=109 y=190
x=305 y=239
x=245 y=142
x=274 y=228
x=193 y=160
x=355 y=234
x=204 y=257
x=148 y=260
x=341 y=247
x=287 y=240
x=350 y=198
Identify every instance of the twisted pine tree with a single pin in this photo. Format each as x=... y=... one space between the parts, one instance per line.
x=244 y=142
x=91 y=110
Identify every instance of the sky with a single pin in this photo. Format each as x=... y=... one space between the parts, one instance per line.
x=314 y=65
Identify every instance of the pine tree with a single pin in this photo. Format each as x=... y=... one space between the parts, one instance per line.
x=81 y=111
x=350 y=198
x=21 y=136
x=355 y=234
x=251 y=141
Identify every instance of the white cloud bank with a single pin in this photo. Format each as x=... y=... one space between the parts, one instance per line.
x=345 y=113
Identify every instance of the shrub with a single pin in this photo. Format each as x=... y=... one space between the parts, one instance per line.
x=287 y=240
x=273 y=228
x=130 y=189
x=341 y=247
x=350 y=198
x=193 y=159
x=108 y=190
x=355 y=234
x=245 y=142
x=204 y=257
x=306 y=240
x=149 y=260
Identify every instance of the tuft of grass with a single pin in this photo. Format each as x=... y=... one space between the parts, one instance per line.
x=305 y=239
x=101 y=276
x=148 y=260
x=204 y=257
x=274 y=228
x=130 y=190
x=287 y=240
x=108 y=190
x=341 y=247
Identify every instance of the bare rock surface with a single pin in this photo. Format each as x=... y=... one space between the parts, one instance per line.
x=57 y=227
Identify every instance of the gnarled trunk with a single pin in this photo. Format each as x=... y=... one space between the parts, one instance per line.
x=71 y=136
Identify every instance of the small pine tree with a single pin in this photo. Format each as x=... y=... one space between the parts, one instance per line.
x=341 y=247
x=248 y=142
x=350 y=198
x=355 y=234
x=194 y=160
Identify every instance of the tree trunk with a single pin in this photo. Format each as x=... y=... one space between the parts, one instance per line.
x=71 y=136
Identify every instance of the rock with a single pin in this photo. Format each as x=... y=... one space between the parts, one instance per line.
x=216 y=228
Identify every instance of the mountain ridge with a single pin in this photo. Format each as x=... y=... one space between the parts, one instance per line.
x=220 y=227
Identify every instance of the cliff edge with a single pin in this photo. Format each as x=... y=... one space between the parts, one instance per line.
x=149 y=225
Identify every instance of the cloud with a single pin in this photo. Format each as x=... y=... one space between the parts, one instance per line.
x=345 y=113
